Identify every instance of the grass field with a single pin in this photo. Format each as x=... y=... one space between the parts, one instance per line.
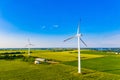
x=96 y=65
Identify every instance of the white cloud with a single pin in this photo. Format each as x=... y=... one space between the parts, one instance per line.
x=55 y=26
x=43 y=27
x=40 y=41
x=105 y=40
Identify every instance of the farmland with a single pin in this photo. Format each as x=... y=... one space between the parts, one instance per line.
x=96 y=65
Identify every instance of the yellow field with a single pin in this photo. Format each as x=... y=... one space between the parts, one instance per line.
x=63 y=56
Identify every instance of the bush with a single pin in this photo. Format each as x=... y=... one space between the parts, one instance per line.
x=10 y=57
x=29 y=59
x=20 y=56
x=6 y=56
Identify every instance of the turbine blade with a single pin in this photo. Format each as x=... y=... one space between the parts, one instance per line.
x=83 y=42
x=69 y=38
x=78 y=30
x=31 y=44
x=29 y=41
x=26 y=46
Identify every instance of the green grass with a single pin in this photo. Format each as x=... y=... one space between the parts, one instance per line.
x=95 y=66
x=96 y=52
x=17 y=70
x=109 y=64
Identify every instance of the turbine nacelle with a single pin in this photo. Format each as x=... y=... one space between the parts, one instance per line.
x=29 y=46
x=78 y=35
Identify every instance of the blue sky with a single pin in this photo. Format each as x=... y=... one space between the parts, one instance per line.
x=48 y=22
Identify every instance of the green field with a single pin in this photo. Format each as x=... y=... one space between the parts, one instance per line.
x=96 y=65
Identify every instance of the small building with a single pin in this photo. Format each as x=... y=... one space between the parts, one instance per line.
x=116 y=53
x=36 y=62
x=39 y=60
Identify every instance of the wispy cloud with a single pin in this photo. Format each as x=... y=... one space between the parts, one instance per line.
x=107 y=40
x=43 y=27
x=55 y=26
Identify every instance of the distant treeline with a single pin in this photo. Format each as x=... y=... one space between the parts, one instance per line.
x=106 y=49
x=62 y=49
x=12 y=53
x=14 y=49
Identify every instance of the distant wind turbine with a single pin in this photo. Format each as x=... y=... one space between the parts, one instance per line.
x=78 y=35
x=29 y=46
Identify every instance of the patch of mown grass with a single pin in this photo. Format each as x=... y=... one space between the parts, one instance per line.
x=96 y=52
x=109 y=64
x=90 y=56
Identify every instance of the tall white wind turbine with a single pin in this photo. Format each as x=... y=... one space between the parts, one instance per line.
x=78 y=35
x=29 y=46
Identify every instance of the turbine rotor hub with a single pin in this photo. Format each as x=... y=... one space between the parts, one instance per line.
x=78 y=35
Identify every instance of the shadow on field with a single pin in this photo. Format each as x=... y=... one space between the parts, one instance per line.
x=111 y=70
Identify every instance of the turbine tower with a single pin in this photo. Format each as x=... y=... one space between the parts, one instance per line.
x=78 y=35
x=29 y=46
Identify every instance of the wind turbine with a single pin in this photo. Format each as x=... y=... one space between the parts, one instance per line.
x=78 y=35
x=29 y=46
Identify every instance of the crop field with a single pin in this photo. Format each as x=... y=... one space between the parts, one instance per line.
x=96 y=65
